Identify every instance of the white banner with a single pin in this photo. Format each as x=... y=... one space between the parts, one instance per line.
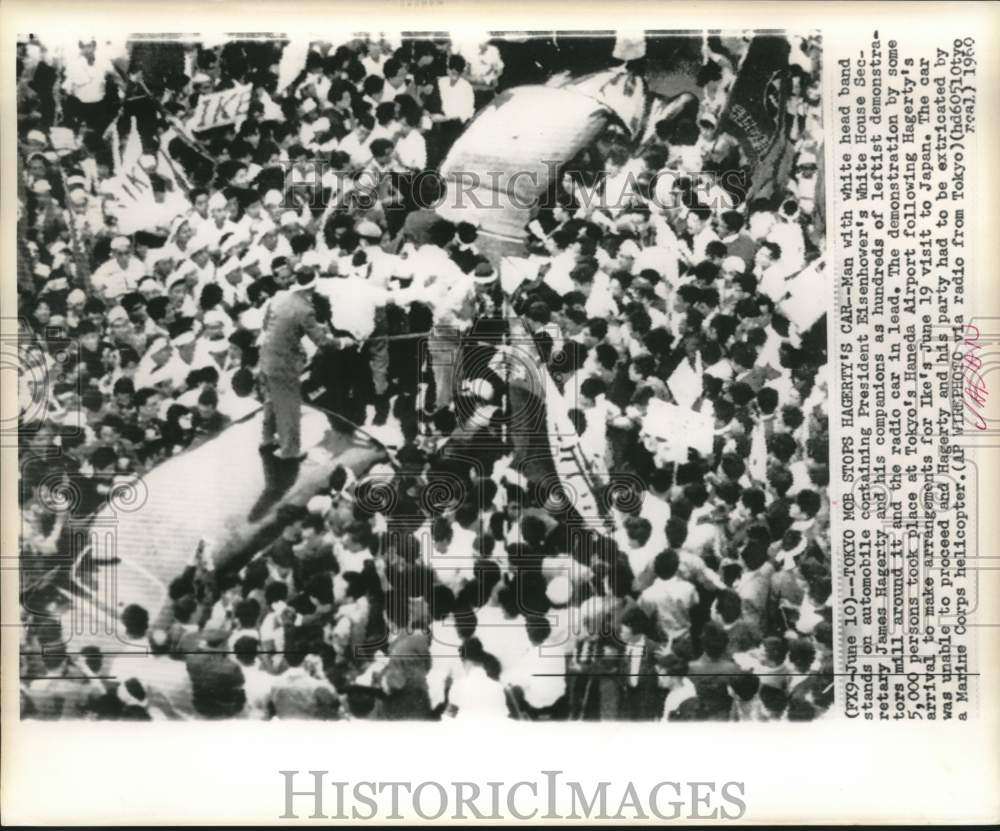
x=230 y=106
x=669 y=431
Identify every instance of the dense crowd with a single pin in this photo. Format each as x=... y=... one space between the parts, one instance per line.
x=448 y=583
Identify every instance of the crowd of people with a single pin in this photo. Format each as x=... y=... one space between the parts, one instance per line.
x=447 y=583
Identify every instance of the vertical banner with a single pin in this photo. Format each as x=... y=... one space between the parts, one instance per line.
x=757 y=113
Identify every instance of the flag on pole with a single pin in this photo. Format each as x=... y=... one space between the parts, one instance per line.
x=131 y=181
x=756 y=113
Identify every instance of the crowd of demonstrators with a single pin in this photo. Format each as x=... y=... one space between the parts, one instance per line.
x=447 y=584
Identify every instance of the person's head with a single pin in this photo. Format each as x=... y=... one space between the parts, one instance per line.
x=93 y=658
x=801 y=654
x=276 y=592
x=730 y=606
x=774 y=699
x=731 y=222
x=775 y=650
x=744 y=687
x=135 y=619
x=635 y=624
x=538 y=628
x=697 y=219
x=714 y=640
x=768 y=254
x=88 y=49
x=245 y=651
x=638 y=531
x=442 y=534
x=247 y=613
x=208 y=403
x=590 y=390
x=456 y=66
x=357 y=536
x=754 y=554
x=807 y=505
x=394 y=72
x=666 y=564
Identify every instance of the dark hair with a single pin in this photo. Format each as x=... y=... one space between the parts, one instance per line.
x=801 y=653
x=245 y=650
x=636 y=620
x=809 y=502
x=538 y=628
x=666 y=564
x=732 y=220
x=745 y=685
x=714 y=640
x=773 y=698
x=380 y=147
x=391 y=68
x=135 y=619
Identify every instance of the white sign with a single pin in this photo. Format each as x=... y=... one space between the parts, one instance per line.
x=669 y=430
x=230 y=106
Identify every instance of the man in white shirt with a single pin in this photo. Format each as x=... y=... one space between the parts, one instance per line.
x=474 y=696
x=500 y=628
x=120 y=274
x=458 y=105
x=257 y=682
x=457 y=97
x=539 y=678
x=670 y=599
x=699 y=225
x=356 y=143
x=411 y=149
x=86 y=85
x=770 y=271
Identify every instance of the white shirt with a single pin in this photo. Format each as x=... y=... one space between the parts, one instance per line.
x=506 y=639
x=112 y=281
x=457 y=99
x=357 y=151
x=600 y=303
x=671 y=602
x=540 y=677
x=678 y=695
x=353 y=301
x=428 y=265
x=257 y=684
x=412 y=150
x=788 y=237
x=701 y=241
x=262 y=256
x=557 y=277
x=233 y=294
x=87 y=81
x=476 y=696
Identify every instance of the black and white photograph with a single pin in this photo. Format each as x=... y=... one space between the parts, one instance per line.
x=423 y=375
